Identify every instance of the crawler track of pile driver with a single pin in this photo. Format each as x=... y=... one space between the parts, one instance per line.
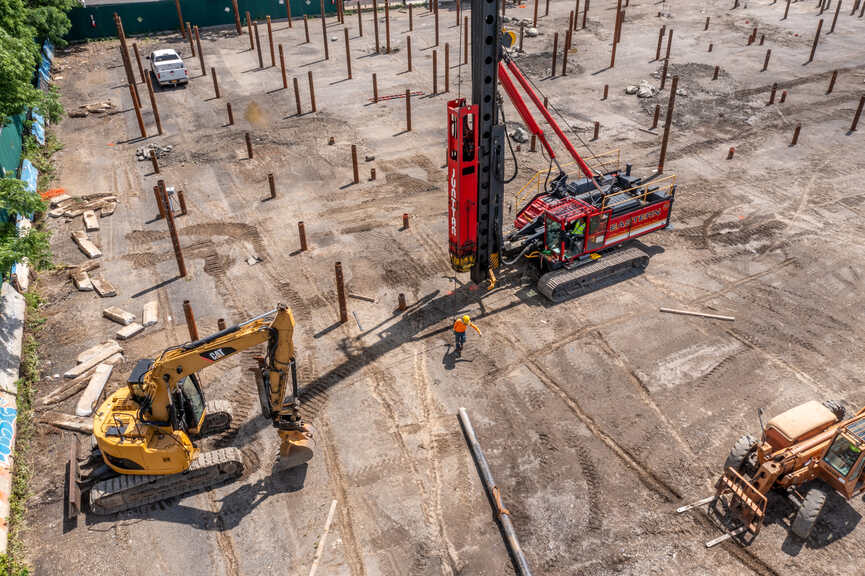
x=560 y=285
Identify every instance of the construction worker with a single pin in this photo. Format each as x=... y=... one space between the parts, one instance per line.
x=460 y=327
x=579 y=227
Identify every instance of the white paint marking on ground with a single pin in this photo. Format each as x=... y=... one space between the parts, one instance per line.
x=690 y=364
x=320 y=550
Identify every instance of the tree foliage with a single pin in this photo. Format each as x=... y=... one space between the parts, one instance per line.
x=16 y=200
x=19 y=57
x=24 y=24
x=36 y=247
x=49 y=19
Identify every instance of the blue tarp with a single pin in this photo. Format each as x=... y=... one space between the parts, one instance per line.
x=38 y=127
x=48 y=50
x=44 y=78
x=29 y=174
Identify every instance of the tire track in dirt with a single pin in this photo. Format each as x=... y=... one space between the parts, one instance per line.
x=382 y=391
x=223 y=540
x=594 y=486
x=352 y=554
x=648 y=478
x=644 y=393
x=657 y=485
x=731 y=286
x=434 y=457
x=803 y=377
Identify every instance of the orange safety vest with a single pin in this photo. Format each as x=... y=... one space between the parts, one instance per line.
x=459 y=326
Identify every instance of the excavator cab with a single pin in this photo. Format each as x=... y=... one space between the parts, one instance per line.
x=189 y=404
x=187 y=411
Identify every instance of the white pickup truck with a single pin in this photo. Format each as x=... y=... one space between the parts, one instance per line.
x=167 y=67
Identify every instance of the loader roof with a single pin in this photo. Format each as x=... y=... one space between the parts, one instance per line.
x=857 y=429
x=800 y=420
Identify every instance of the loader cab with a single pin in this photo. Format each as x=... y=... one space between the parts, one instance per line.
x=845 y=458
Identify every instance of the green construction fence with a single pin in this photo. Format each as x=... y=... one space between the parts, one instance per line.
x=10 y=146
x=97 y=21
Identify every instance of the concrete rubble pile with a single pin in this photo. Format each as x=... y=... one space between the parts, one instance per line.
x=143 y=153
x=93 y=108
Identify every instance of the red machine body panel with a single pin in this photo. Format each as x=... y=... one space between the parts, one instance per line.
x=602 y=229
x=462 y=184
x=637 y=223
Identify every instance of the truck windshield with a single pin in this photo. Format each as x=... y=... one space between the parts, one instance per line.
x=165 y=58
x=842 y=455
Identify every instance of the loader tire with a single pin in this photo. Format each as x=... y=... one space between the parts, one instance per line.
x=808 y=513
x=739 y=453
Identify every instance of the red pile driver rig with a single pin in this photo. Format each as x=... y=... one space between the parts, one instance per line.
x=578 y=231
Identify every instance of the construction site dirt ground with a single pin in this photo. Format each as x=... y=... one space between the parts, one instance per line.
x=599 y=416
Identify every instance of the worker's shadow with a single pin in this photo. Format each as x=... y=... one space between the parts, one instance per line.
x=451 y=357
x=231 y=508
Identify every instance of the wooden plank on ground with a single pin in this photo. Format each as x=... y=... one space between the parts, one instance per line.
x=150 y=315
x=128 y=332
x=81 y=280
x=85 y=245
x=100 y=351
x=69 y=388
x=119 y=315
x=94 y=389
x=61 y=199
x=80 y=424
x=91 y=221
x=103 y=287
x=93 y=358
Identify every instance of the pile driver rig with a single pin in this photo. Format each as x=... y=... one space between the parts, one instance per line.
x=147 y=434
x=578 y=231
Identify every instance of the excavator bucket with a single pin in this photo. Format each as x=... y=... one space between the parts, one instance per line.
x=296 y=447
x=742 y=506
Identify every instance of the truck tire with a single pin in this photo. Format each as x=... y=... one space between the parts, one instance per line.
x=739 y=453
x=808 y=513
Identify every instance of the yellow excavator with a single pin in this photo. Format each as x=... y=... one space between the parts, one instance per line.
x=147 y=433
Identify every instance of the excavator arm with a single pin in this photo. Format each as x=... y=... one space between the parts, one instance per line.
x=152 y=425
x=274 y=328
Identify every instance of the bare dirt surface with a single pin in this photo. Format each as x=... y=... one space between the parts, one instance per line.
x=598 y=416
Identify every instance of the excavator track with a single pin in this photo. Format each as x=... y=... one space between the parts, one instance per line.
x=560 y=285
x=129 y=491
x=217 y=417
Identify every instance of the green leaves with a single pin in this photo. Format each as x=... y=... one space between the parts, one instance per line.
x=35 y=247
x=24 y=25
x=49 y=104
x=19 y=58
x=16 y=200
x=50 y=22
